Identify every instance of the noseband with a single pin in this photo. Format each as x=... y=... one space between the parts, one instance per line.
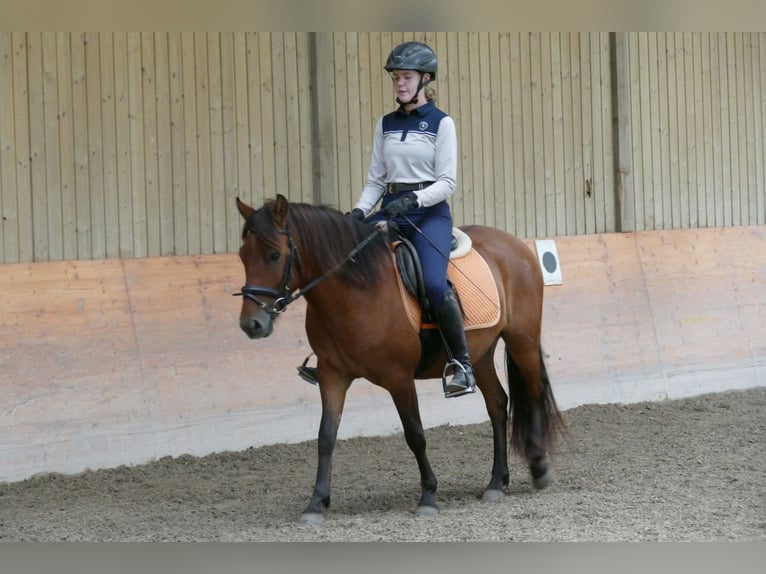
x=281 y=296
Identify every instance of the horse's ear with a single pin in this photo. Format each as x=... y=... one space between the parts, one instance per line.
x=279 y=211
x=244 y=209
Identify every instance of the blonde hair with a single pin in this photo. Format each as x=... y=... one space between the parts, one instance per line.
x=430 y=92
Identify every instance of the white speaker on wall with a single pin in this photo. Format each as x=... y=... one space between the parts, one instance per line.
x=549 y=261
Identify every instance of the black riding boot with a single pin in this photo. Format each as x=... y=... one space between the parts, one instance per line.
x=450 y=321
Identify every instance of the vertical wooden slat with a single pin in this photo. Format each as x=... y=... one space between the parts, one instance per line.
x=8 y=151
x=680 y=214
x=723 y=49
x=178 y=134
x=450 y=79
x=123 y=116
x=662 y=210
x=741 y=123
x=715 y=105
x=213 y=197
x=23 y=147
x=505 y=133
x=548 y=148
x=759 y=72
x=654 y=208
x=610 y=208
x=586 y=54
x=691 y=114
x=51 y=146
x=82 y=180
x=483 y=204
x=303 y=111
x=257 y=176
x=671 y=206
x=736 y=189
x=579 y=191
x=498 y=194
x=354 y=111
x=341 y=108
x=370 y=104
x=601 y=129
x=164 y=144
x=242 y=119
x=228 y=212
x=291 y=131
x=193 y=132
x=110 y=138
x=137 y=143
x=699 y=133
x=707 y=127
x=567 y=143
x=537 y=134
x=204 y=208
x=36 y=126
x=95 y=145
x=558 y=88
x=268 y=161
x=750 y=206
x=462 y=204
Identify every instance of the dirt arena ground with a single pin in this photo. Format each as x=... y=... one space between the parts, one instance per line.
x=685 y=470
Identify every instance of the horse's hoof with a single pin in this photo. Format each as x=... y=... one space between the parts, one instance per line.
x=544 y=479
x=492 y=495
x=426 y=511
x=312 y=519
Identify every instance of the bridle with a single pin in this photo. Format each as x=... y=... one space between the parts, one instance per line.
x=282 y=296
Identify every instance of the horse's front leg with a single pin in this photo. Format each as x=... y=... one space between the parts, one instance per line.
x=406 y=401
x=333 y=390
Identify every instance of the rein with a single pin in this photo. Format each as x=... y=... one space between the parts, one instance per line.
x=282 y=296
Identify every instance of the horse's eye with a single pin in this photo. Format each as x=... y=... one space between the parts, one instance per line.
x=274 y=256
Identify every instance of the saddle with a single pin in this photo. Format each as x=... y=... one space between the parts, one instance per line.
x=468 y=274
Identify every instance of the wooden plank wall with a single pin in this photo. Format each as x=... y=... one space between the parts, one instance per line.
x=121 y=145
x=696 y=120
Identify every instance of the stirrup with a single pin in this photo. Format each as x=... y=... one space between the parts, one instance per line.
x=308 y=374
x=451 y=390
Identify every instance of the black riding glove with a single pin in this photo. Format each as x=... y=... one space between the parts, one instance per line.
x=401 y=205
x=356 y=214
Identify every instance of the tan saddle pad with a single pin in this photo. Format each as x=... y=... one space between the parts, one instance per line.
x=475 y=286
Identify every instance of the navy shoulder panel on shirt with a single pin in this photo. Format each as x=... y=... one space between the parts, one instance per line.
x=425 y=119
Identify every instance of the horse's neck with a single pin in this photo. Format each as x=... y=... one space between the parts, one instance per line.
x=333 y=295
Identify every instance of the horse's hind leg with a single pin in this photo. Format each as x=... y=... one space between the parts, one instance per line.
x=406 y=400
x=496 y=402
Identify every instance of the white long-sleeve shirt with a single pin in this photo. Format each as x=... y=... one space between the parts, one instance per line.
x=412 y=147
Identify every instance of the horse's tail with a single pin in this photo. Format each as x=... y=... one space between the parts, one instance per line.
x=525 y=415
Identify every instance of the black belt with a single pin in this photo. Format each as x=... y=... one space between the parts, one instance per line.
x=402 y=187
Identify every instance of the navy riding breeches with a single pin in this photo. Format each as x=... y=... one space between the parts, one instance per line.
x=429 y=229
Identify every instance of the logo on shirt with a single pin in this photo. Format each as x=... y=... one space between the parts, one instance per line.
x=423 y=126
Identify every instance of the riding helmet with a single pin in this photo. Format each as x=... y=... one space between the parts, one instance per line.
x=412 y=56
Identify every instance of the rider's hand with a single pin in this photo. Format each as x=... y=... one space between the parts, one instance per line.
x=401 y=205
x=356 y=214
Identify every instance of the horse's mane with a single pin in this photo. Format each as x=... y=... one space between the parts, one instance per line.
x=326 y=237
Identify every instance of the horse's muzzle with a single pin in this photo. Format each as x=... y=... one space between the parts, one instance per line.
x=256 y=325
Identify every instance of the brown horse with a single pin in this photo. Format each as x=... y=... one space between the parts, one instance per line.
x=357 y=327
